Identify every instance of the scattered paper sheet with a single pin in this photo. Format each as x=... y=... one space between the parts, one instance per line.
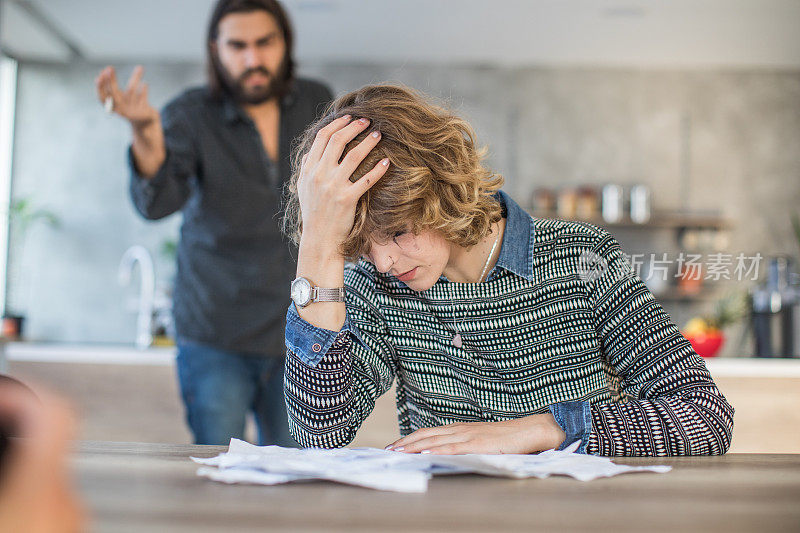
x=396 y=471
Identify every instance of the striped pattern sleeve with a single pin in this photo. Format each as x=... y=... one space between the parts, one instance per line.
x=670 y=406
x=327 y=402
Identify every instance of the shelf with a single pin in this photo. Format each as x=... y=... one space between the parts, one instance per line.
x=673 y=295
x=680 y=220
x=754 y=367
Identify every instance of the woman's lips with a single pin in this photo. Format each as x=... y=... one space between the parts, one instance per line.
x=408 y=276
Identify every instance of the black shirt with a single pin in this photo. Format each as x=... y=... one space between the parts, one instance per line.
x=234 y=265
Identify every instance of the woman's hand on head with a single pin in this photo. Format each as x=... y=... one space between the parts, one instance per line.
x=530 y=434
x=327 y=197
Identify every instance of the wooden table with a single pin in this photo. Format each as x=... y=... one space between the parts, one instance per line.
x=153 y=487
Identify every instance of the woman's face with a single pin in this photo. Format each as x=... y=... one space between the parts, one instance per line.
x=416 y=260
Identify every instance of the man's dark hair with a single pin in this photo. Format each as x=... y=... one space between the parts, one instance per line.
x=216 y=80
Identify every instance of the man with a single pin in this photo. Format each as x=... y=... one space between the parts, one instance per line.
x=221 y=155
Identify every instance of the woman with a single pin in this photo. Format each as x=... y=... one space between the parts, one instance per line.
x=505 y=333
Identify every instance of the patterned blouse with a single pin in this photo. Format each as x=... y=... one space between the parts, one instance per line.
x=560 y=325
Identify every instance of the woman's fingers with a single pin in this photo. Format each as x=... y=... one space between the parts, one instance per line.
x=323 y=136
x=420 y=434
x=432 y=442
x=357 y=154
x=339 y=139
x=370 y=178
x=452 y=448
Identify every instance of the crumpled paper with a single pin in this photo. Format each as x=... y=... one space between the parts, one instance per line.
x=396 y=471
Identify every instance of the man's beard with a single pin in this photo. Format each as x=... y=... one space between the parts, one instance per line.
x=256 y=95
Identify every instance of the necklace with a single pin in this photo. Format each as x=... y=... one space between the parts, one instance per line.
x=491 y=253
x=456 y=340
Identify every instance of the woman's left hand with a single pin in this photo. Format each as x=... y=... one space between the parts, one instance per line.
x=530 y=434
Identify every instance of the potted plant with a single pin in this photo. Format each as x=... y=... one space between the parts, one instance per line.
x=23 y=215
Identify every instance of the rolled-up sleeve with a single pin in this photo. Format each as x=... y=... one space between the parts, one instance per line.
x=167 y=191
x=575 y=418
x=310 y=343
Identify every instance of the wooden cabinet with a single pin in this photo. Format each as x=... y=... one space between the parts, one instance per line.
x=766 y=396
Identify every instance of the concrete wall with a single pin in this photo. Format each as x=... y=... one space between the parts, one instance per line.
x=70 y=157
x=702 y=140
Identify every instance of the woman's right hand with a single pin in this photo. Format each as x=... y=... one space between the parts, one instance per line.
x=327 y=197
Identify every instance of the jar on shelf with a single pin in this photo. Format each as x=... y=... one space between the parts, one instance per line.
x=640 y=204
x=543 y=202
x=588 y=203
x=613 y=203
x=567 y=203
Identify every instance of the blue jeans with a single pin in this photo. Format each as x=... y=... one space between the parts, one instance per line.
x=219 y=388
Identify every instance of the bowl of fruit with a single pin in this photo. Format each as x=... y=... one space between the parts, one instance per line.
x=705 y=332
x=706 y=339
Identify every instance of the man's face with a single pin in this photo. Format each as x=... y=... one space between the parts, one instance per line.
x=251 y=50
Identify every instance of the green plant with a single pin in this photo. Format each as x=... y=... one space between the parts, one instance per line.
x=728 y=310
x=22 y=216
x=796 y=227
x=169 y=249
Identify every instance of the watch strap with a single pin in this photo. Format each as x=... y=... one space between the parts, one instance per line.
x=322 y=294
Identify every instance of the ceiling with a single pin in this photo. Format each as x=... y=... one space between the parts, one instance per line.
x=639 y=33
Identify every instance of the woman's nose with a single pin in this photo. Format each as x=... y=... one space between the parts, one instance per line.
x=381 y=259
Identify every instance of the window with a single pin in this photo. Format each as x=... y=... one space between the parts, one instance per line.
x=8 y=96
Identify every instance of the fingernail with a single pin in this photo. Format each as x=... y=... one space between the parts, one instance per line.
x=425 y=451
x=399 y=449
x=385 y=162
x=388 y=447
x=346 y=117
x=363 y=120
x=376 y=134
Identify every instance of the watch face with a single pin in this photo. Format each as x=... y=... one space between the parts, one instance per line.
x=301 y=291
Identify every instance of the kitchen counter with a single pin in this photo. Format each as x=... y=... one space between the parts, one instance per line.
x=764 y=392
x=44 y=352
x=753 y=367
x=153 y=487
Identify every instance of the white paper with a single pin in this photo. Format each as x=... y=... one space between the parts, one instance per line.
x=396 y=471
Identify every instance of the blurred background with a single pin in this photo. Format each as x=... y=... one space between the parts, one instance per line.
x=676 y=125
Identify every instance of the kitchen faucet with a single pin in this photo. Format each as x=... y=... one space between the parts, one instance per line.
x=144 y=322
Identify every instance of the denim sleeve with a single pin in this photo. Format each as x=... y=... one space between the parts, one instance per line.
x=167 y=191
x=575 y=418
x=310 y=343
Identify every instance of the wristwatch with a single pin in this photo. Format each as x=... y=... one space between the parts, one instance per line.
x=303 y=293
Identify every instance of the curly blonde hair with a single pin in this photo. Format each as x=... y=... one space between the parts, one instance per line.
x=436 y=179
